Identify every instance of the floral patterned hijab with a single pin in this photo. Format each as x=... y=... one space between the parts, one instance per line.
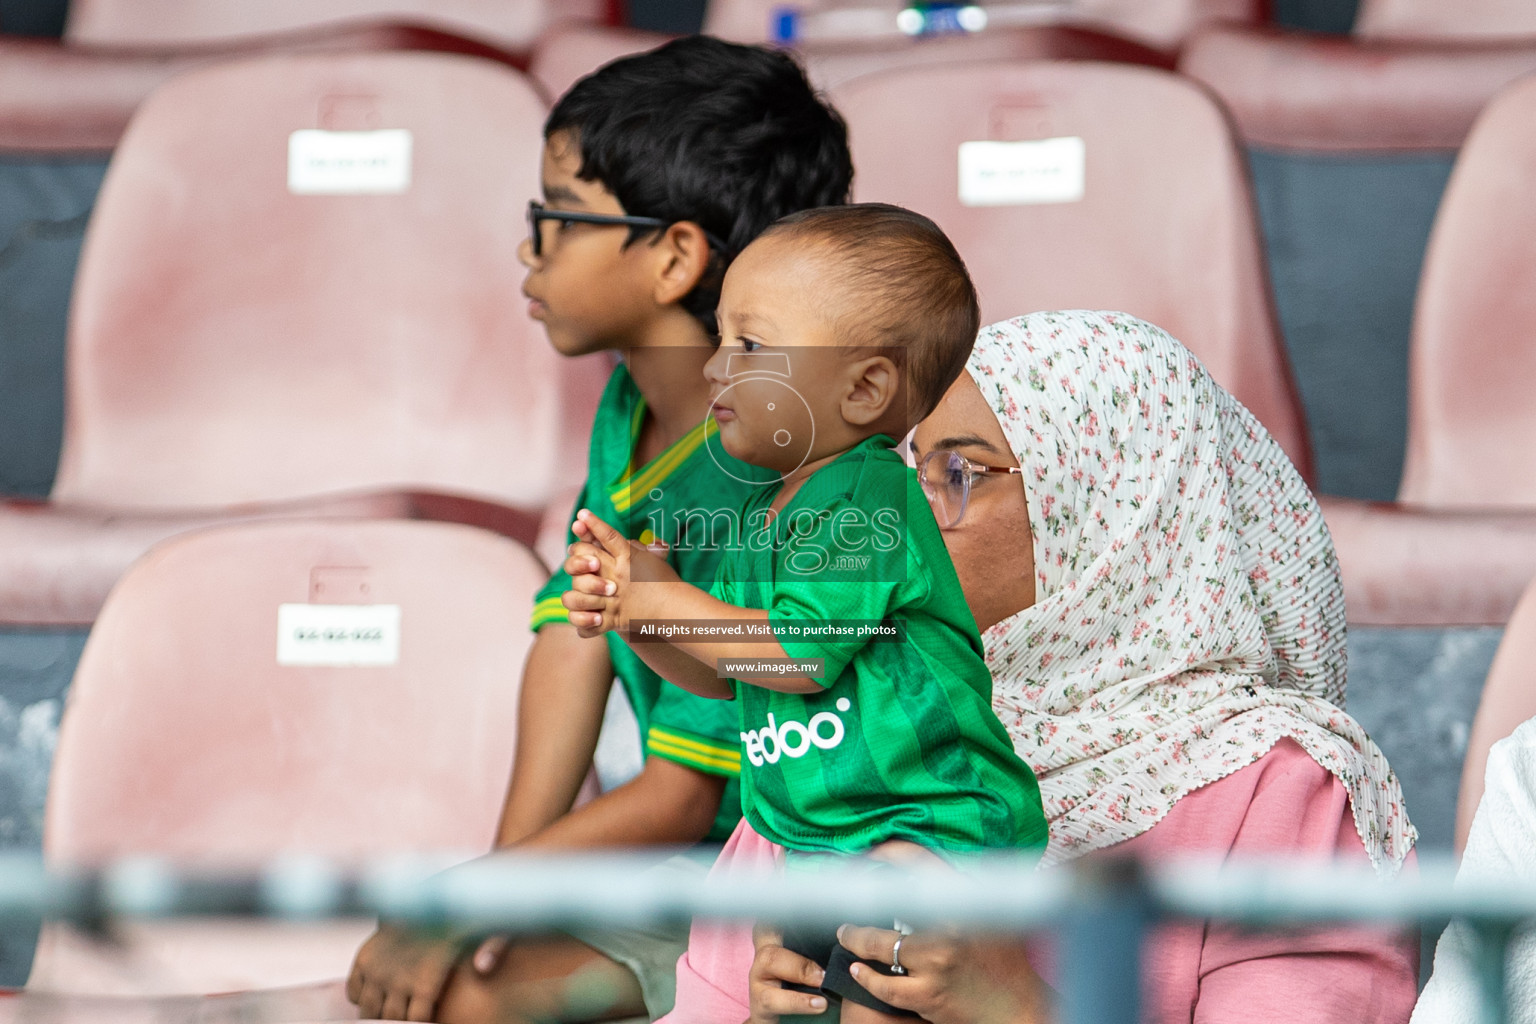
x=1189 y=613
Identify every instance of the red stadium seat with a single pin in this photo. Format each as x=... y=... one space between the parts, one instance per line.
x=216 y=721
x=1466 y=517
x=1161 y=224
x=1161 y=24
x=242 y=343
x=60 y=98
x=571 y=51
x=1315 y=92
x=1445 y=19
x=1509 y=698
x=160 y=24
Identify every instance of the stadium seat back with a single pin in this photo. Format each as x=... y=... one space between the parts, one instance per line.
x=301 y=277
x=570 y=52
x=194 y=731
x=165 y=24
x=1159 y=23
x=1445 y=19
x=1086 y=186
x=1471 y=418
x=1509 y=698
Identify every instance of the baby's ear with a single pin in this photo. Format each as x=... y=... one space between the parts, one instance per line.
x=874 y=390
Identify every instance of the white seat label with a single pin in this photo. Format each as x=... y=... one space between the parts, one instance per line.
x=1018 y=173
x=338 y=634
x=349 y=163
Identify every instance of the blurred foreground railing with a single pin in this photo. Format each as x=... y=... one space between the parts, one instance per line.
x=1100 y=911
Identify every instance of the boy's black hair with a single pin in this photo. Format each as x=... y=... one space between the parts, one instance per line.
x=914 y=294
x=727 y=136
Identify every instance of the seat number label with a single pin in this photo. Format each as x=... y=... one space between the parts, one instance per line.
x=338 y=634
x=349 y=163
x=1019 y=173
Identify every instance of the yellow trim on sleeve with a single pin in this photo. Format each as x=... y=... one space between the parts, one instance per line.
x=684 y=757
x=688 y=750
x=710 y=747
x=546 y=611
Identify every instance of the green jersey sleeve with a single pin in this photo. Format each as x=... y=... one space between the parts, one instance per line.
x=546 y=603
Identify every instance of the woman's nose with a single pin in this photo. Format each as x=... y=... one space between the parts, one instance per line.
x=525 y=254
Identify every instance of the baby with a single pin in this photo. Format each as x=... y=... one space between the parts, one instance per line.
x=836 y=620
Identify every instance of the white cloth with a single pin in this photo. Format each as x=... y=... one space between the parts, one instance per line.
x=1501 y=846
x=1189 y=613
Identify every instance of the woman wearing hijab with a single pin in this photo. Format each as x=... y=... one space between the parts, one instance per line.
x=1162 y=614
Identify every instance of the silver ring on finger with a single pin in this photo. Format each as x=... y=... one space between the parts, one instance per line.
x=896 y=967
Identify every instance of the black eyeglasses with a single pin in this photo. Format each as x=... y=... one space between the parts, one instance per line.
x=537 y=214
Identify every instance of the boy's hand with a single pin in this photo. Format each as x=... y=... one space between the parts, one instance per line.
x=603 y=566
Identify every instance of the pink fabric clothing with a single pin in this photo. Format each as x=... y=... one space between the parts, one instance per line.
x=1196 y=973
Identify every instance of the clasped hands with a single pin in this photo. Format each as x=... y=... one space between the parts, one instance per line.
x=604 y=565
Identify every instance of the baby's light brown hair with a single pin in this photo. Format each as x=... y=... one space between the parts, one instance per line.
x=912 y=293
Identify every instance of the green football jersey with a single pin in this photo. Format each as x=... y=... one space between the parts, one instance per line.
x=902 y=743
x=682 y=497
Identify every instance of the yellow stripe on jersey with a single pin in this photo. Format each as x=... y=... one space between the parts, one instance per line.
x=690 y=759
x=706 y=746
x=690 y=750
x=624 y=493
x=546 y=611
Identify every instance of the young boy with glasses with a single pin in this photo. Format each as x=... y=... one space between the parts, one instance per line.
x=836 y=622
x=657 y=170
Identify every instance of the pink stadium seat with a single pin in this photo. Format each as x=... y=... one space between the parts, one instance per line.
x=1460 y=545
x=1161 y=24
x=61 y=98
x=1509 y=698
x=237 y=348
x=195 y=732
x=1163 y=227
x=166 y=23
x=570 y=51
x=1445 y=19
x=1308 y=91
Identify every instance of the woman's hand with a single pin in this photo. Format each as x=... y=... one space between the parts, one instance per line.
x=950 y=978
x=772 y=964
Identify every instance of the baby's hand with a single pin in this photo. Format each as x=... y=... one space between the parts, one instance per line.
x=599 y=575
x=604 y=565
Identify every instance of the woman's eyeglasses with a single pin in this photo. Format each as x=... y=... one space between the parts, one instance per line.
x=537 y=214
x=946 y=477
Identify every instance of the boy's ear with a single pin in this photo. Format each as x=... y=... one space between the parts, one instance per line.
x=874 y=387
x=682 y=257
